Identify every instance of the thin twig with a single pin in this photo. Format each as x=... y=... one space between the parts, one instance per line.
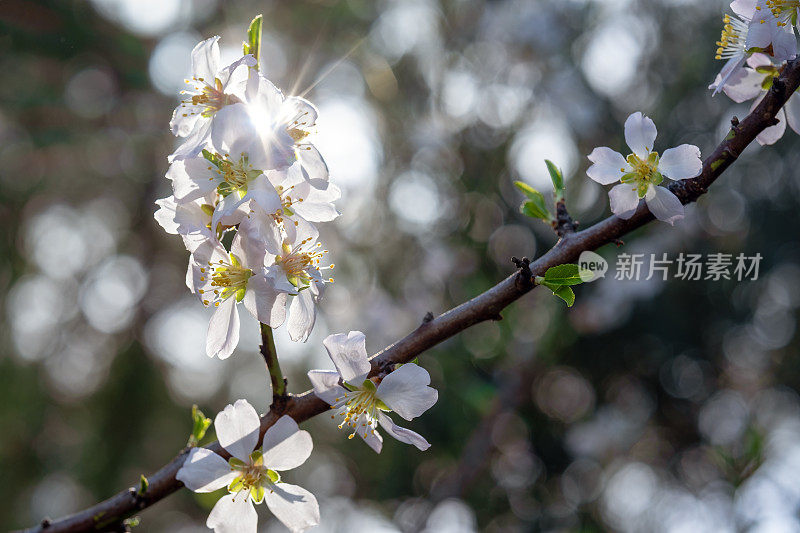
x=273 y=367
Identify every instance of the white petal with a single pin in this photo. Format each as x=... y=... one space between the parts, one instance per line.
x=743 y=85
x=792 y=112
x=165 y=216
x=609 y=166
x=317 y=204
x=226 y=207
x=234 y=77
x=406 y=391
x=744 y=8
x=196 y=138
x=263 y=193
x=784 y=43
x=731 y=70
x=312 y=163
x=238 y=428
x=205 y=471
x=402 y=434
x=264 y=302
x=681 y=163
x=624 y=200
x=371 y=437
x=759 y=60
x=191 y=178
x=302 y=315
x=326 y=385
x=205 y=60
x=184 y=120
x=233 y=513
x=349 y=355
x=664 y=205
x=640 y=134
x=294 y=506
x=223 y=330
x=285 y=445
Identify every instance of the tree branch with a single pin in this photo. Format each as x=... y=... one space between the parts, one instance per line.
x=108 y=515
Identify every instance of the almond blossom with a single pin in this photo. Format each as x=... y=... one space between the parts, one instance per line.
x=210 y=89
x=642 y=171
x=361 y=403
x=233 y=165
x=286 y=123
x=252 y=474
x=753 y=29
x=293 y=259
x=221 y=279
x=752 y=83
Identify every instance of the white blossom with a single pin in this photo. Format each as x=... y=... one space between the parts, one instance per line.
x=754 y=29
x=642 y=171
x=286 y=125
x=221 y=279
x=252 y=474
x=362 y=402
x=752 y=83
x=293 y=259
x=210 y=89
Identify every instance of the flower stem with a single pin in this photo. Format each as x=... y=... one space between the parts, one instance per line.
x=271 y=358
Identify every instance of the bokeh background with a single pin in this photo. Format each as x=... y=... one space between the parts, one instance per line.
x=649 y=406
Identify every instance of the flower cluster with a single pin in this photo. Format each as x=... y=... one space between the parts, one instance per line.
x=248 y=188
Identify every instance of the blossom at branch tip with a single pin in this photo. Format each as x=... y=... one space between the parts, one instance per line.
x=362 y=403
x=752 y=83
x=210 y=89
x=642 y=171
x=252 y=474
x=754 y=29
x=222 y=279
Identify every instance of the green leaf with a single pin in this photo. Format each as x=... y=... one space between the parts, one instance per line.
x=535 y=207
x=568 y=274
x=143 y=485
x=200 y=425
x=530 y=209
x=253 y=44
x=557 y=177
x=564 y=292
